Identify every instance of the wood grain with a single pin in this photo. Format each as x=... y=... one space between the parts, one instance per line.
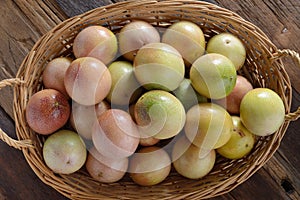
x=23 y=22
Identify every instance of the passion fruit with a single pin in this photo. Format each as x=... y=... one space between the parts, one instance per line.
x=262 y=111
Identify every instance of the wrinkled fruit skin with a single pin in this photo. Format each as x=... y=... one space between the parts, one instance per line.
x=47 y=111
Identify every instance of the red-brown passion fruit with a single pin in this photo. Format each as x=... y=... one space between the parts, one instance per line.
x=47 y=111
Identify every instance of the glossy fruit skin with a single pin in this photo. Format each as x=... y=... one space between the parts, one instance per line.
x=186 y=160
x=149 y=166
x=96 y=41
x=47 y=111
x=159 y=66
x=230 y=46
x=87 y=81
x=188 y=38
x=134 y=35
x=262 y=111
x=240 y=143
x=64 y=152
x=213 y=76
x=105 y=169
x=125 y=89
x=159 y=114
x=208 y=126
x=115 y=135
x=54 y=74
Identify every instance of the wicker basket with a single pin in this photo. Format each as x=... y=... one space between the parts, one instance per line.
x=263 y=67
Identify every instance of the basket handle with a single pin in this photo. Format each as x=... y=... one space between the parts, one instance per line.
x=18 y=144
x=293 y=116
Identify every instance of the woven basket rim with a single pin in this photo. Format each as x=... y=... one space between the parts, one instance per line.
x=67 y=185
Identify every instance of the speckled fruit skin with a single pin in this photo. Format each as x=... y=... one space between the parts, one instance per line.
x=240 y=143
x=262 y=111
x=47 y=111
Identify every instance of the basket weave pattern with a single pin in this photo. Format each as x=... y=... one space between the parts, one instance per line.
x=263 y=67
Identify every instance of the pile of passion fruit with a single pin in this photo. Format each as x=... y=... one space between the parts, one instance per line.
x=144 y=100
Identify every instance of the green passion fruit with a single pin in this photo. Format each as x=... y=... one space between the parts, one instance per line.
x=159 y=114
x=213 y=76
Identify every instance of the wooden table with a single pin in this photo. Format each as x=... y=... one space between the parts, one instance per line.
x=23 y=22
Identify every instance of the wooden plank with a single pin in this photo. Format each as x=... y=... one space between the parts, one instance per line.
x=76 y=7
x=285 y=175
x=22 y=23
